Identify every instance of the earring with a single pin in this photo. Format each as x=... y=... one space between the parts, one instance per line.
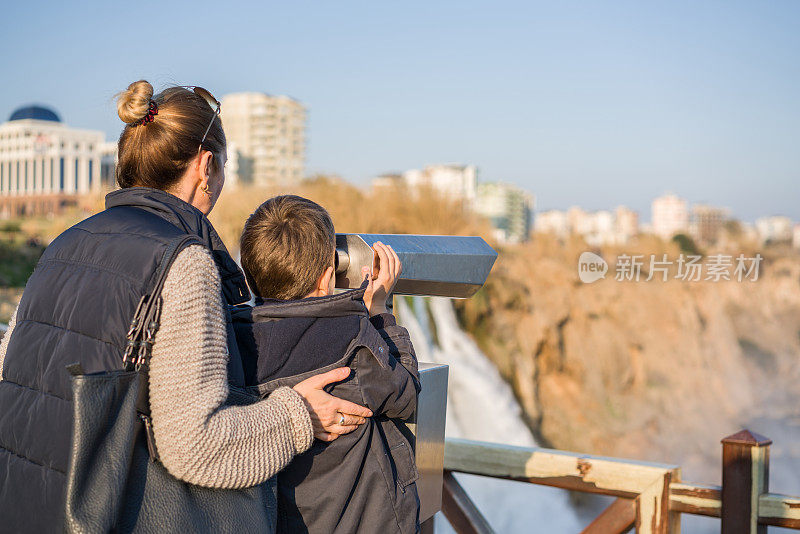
x=206 y=190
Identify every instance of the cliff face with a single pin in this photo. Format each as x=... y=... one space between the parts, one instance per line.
x=651 y=370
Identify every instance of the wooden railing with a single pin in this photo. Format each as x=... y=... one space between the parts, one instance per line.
x=650 y=497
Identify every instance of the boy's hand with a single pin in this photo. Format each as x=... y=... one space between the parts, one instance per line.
x=383 y=278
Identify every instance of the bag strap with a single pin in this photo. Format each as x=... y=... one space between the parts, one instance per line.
x=146 y=319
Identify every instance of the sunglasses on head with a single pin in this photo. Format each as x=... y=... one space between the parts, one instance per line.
x=211 y=101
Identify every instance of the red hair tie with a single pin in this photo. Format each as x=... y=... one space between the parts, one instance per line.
x=151 y=112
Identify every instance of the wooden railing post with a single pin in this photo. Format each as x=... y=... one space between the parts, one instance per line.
x=745 y=476
x=460 y=511
x=653 y=515
x=427 y=527
x=619 y=517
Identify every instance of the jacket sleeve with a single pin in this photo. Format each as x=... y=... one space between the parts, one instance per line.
x=390 y=387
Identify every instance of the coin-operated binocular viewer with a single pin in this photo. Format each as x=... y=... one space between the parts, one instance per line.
x=433 y=265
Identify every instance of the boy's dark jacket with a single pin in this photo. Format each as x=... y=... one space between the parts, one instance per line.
x=362 y=481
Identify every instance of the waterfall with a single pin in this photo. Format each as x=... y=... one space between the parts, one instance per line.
x=481 y=406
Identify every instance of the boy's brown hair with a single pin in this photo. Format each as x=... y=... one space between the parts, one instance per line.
x=286 y=245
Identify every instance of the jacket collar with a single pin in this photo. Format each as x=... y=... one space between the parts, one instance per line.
x=339 y=305
x=192 y=221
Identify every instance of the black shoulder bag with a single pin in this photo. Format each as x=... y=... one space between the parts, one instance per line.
x=115 y=482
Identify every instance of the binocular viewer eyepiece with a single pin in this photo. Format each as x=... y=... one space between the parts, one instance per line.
x=433 y=265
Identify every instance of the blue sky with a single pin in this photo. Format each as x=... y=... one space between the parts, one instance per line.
x=582 y=103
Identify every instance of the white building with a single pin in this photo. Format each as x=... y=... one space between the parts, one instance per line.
x=626 y=224
x=456 y=182
x=796 y=236
x=269 y=135
x=670 y=216
x=388 y=181
x=552 y=222
x=749 y=232
x=775 y=229
x=597 y=228
x=42 y=161
x=232 y=166
x=508 y=208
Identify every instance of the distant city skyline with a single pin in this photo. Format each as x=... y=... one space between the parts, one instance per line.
x=596 y=105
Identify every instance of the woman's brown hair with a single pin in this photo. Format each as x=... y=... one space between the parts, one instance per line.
x=156 y=154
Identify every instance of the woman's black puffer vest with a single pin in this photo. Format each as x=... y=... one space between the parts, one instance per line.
x=77 y=307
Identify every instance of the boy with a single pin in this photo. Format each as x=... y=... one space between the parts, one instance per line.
x=362 y=481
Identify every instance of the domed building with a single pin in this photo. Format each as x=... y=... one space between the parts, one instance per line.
x=34 y=112
x=44 y=164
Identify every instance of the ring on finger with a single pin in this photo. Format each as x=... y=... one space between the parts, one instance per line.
x=341 y=419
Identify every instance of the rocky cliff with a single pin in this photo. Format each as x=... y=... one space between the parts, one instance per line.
x=650 y=369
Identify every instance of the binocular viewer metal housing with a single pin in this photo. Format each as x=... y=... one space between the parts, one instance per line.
x=433 y=265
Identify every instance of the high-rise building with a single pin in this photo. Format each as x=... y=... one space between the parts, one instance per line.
x=44 y=163
x=508 y=208
x=269 y=136
x=670 y=216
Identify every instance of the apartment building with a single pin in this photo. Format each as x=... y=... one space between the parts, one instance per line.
x=669 y=216
x=508 y=208
x=268 y=135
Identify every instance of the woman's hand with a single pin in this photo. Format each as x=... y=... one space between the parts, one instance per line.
x=330 y=416
x=383 y=278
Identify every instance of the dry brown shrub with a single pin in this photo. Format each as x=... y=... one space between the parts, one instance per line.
x=354 y=210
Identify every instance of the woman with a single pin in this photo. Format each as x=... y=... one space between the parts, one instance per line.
x=79 y=302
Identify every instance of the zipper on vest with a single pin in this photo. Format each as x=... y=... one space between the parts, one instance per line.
x=151 y=440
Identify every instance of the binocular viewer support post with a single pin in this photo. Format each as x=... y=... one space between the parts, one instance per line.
x=433 y=265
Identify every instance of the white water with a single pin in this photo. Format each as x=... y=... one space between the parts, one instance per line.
x=481 y=406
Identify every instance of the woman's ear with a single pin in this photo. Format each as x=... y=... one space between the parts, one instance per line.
x=196 y=186
x=205 y=164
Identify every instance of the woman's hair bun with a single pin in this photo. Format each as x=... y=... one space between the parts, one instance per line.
x=134 y=102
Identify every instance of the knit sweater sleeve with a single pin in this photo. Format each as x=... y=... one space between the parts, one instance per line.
x=199 y=438
x=6 y=338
